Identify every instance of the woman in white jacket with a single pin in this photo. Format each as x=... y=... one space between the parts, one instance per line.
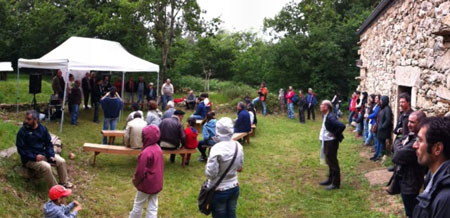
x=227 y=192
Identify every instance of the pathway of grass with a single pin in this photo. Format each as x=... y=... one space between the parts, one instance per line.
x=281 y=172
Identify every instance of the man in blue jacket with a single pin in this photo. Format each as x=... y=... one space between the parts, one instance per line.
x=433 y=151
x=36 y=151
x=200 y=113
x=310 y=103
x=112 y=105
x=330 y=137
x=242 y=123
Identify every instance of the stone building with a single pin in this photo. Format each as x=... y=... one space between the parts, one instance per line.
x=405 y=47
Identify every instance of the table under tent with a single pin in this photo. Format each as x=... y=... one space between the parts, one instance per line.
x=79 y=55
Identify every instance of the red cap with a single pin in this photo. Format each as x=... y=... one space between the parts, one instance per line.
x=58 y=191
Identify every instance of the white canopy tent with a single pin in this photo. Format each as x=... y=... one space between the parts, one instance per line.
x=5 y=66
x=78 y=55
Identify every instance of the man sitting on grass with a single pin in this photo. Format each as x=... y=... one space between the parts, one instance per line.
x=56 y=208
x=36 y=151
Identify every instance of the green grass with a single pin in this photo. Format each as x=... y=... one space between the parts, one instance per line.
x=280 y=176
x=8 y=133
x=8 y=89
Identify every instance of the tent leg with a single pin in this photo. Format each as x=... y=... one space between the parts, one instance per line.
x=157 y=87
x=64 y=101
x=121 y=95
x=17 y=94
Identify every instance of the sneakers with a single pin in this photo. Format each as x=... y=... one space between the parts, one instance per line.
x=202 y=159
x=67 y=185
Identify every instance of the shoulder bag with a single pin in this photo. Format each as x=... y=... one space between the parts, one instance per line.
x=205 y=197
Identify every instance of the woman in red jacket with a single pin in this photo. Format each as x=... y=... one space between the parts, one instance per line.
x=290 y=104
x=148 y=178
x=191 y=137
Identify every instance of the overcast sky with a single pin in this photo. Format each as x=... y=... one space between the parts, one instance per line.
x=242 y=15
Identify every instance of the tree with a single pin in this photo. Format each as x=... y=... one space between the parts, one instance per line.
x=167 y=19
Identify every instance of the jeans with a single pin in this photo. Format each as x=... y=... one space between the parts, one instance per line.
x=370 y=136
x=109 y=123
x=366 y=130
x=130 y=97
x=409 y=202
x=139 y=201
x=350 y=117
x=336 y=110
x=224 y=203
x=197 y=117
x=358 y=125
x=290 y=107
x=258 y=99
x=380 y=145
x=140 y=97
x=75 y=108
x=165 y=99
x=96 y=106
x=202 y=143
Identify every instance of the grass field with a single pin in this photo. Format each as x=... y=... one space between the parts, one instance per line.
x=280 y=176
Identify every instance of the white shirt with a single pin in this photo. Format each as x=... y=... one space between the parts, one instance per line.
x=252 y=117
x=325 y=135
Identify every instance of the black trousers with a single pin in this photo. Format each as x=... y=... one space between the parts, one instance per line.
x=301 y=115
x=330 y=150
x=86 y=94
x=311 y=111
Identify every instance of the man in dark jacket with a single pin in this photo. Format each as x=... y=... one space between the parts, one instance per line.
x=130 y=89
x=172 y=133
x=151 y=92
x=75 y=101
x=95 y=98
x=408 y=172
x=242 y=123
x=200 y=113
x=330 y=136
x=112 y=105
x=401 y=129
x=86 y=86
x=36 y=151
x=433 y=151
x=301 y=106
x=384 y=127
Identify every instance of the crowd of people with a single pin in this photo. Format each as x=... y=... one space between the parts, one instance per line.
x=420 y=149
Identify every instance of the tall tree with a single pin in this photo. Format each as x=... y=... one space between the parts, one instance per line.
x=167 y=19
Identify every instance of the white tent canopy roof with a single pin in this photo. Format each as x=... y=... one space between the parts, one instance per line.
x=5 y=66
x=78 y=53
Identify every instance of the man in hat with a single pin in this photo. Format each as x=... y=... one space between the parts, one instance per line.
x=330 y=137
x=151 y=92
x=56 y=206
x=172 y=133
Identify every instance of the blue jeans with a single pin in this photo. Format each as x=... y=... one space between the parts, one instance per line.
x=336 y=110
x=109 y=123
x=366 y=129
x=140 y=97
x=358 y=125
x=350 y=117
x=369 y=137
x=290 y=107
x=224 y=203
x=165 y=99
x=258 y=99
x=379 y=147
x=197 y=117
x=74 y=108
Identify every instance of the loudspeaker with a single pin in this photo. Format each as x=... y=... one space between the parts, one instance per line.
x=35 y=83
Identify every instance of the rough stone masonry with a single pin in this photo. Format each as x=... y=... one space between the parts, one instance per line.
x=408 y=48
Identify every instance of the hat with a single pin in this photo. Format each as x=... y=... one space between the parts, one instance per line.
x=224 y=127
x=58 y=191
x=150 y=84
x=178 y=112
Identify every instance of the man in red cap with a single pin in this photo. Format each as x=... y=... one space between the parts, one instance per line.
x=56 y=206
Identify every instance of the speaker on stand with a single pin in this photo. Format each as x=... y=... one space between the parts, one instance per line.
x=35 y=87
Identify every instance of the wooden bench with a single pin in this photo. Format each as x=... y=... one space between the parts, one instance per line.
x=242 y=135
x=112 y=134
x=253 y=132
x=115 y=149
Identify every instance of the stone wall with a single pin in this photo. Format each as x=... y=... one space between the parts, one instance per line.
x=409 y=45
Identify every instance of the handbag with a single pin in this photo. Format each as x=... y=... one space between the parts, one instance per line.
x=375 y=126
x=393 y=185
x=205 y=197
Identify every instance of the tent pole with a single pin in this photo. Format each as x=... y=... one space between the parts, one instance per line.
x=121 y=95
x=157 y=88
x=64 y=100
x=17 y=93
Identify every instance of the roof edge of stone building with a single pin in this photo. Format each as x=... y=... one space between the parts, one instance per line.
x=382 y=7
